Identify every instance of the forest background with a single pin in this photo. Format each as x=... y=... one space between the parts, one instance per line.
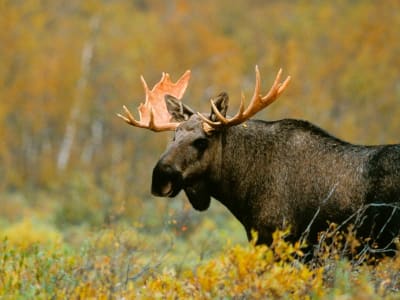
x=70 y=168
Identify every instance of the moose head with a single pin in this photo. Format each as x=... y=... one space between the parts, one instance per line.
x=192 y=161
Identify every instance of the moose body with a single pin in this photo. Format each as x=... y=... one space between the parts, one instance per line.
x=272 y=175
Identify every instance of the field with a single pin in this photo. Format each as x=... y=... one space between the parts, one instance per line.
x=77 y=220
x=179 y=256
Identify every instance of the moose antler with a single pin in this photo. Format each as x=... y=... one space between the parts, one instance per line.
x=153 y=114
x=257 y=103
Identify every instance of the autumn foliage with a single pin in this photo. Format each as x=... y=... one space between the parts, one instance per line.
x=76 y=216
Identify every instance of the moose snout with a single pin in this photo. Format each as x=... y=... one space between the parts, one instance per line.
x=166 y=181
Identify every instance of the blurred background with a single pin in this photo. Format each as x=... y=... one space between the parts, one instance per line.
x=69 y=166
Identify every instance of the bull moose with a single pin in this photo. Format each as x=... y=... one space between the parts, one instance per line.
x=271 y=174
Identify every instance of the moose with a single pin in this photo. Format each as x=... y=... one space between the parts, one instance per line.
x=271 y=174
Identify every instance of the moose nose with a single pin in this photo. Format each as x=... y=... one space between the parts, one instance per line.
x=167 y=181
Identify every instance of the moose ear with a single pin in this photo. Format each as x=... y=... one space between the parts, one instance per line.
x=179 y=112
x=221 y=102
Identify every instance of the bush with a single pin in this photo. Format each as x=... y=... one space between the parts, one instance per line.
x=120 y=262
x=28 y=232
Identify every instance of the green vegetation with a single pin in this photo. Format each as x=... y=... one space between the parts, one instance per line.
x=76 y=216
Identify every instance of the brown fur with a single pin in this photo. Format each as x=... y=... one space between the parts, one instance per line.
x=284 y=173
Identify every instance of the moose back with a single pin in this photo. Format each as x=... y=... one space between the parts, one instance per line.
x=271 y=175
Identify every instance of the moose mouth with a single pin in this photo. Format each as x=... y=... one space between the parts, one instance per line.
x=168 y=189
x=166 y=182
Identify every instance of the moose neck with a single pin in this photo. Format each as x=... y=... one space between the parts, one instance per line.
x=242 y=151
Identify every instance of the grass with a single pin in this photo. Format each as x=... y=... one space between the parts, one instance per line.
x=174 y=253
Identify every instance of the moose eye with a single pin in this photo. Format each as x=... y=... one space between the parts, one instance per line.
x=200 y=144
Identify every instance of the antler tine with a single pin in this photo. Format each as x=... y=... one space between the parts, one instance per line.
x=220 y=117
x=257 y=102
x=208 y=121
x=144 y=83
x=129 y=117
x=241 y=107
x=217 y=113
x=152 y=125
x=283 y=85
x=256 y=94
x=273 y=93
